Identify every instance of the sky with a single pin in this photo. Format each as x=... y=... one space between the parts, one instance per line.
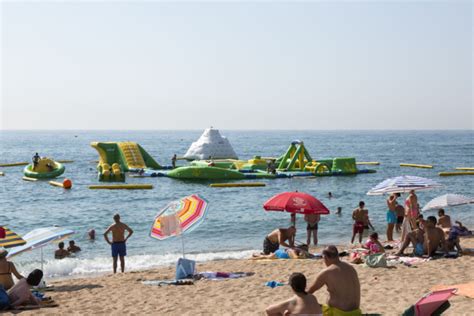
x=144 y=65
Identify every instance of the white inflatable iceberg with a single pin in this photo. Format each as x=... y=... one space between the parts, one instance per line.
x=211 y=144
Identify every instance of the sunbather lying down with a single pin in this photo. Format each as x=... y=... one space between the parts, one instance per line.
x=299 y=252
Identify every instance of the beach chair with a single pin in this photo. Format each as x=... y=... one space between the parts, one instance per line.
x=433 y=303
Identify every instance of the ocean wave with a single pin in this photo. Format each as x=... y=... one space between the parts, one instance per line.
x=76 y=267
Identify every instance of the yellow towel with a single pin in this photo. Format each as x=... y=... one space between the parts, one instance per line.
x=332 y=311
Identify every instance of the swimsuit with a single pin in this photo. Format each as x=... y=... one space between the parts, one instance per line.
x=281 y=254
x=391 y=217
x=419 y=249
x=269 y=246
x=358 y=227
x=314 y=227
x=400 y=219
x=333 y=311
x=412 y=211
x=119 y=249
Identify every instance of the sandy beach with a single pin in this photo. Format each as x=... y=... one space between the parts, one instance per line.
x=387 y=291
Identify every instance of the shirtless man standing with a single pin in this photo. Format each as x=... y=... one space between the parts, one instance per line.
x=425 y=241
x=358 y=215
x=391 y=214
x=313 y=221
x=444 y=221
x=342 y=283
x=118 y=241
x=278 y=237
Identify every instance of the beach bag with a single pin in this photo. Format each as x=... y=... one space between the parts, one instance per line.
x=4 y=299
x=377 y=260
x=185 y=269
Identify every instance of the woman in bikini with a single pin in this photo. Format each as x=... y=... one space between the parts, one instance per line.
x=6 y=270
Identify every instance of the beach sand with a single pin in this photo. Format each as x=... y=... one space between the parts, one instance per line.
x=383 y=290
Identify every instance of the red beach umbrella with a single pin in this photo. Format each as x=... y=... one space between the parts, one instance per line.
x=295 y=202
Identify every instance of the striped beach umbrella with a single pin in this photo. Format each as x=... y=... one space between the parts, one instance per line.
x=403 y=184
x=179 y=216
x=447 y=200
x=10 y=239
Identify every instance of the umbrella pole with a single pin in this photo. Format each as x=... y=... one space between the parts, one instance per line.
x=182 y=243
x=42 y=259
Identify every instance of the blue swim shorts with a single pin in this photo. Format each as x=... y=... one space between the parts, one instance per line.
x=119 y=249
x=391 y=217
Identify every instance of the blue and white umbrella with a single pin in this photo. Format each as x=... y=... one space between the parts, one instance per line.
x=446 y=201
x=403 y=184
x=40 y=237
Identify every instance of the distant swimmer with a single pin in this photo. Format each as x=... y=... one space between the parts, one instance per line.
x=118 y=242
x=91 y=234
x=339 y=210
x=330 y=195
x=61 y=253
x=72 y=247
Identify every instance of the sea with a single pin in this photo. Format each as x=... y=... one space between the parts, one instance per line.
x=236 y=223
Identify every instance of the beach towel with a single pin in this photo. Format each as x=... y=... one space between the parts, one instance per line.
x=168 y=282
x=464 y=289
x=221 y=275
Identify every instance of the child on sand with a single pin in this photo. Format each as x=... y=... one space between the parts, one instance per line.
x=373 y=244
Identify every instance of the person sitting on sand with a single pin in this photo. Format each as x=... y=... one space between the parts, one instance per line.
x=373 y=244
x=444 y=221
x=455 y=232
x=300 y=304
x=72 y=247
x=7 y=268
x=433 y=238
x=342 y=283
x=278 y=238
x=299 y=252
x=312 y=227
x=20 y=293
x=61 y=253
x=358 y=216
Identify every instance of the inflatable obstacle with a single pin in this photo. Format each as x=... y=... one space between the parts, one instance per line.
x=29 y=179
x=465 y=168
x=372 y=163
x=66 y=184
x=239 y=185
x=46 y=168
x=459 y=173
x=14 y=164
x=122 y=187
x=413 y=165
x=116 y=158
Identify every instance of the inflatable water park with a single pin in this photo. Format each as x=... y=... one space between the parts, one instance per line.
x=44 y=168
x=212 y=157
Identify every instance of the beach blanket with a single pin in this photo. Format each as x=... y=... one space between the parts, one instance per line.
x=222 y=275
x=464 y=289
x=168 y=282
x=408 y=261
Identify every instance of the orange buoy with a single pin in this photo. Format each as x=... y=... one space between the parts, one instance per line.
x=67 y=183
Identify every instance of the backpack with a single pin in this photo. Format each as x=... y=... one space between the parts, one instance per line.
x=185 y=269
x=4 y=299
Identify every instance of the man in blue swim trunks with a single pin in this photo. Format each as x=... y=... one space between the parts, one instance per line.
x=119 y=248
x=391 y=214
